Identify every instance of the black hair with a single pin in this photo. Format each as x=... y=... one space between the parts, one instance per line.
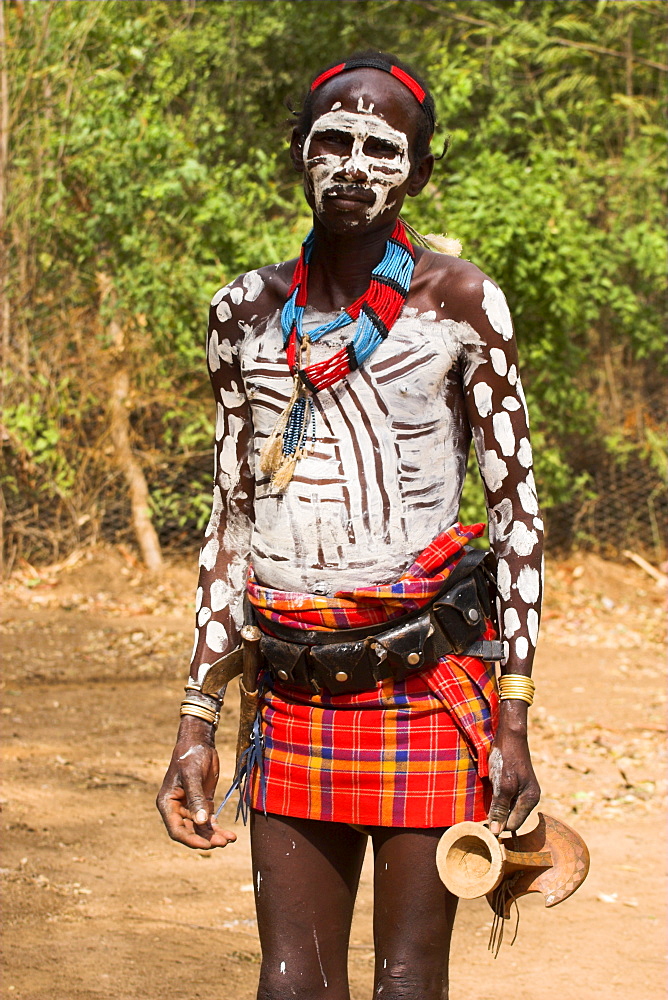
x=374 y=57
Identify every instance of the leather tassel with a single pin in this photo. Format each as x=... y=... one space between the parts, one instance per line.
x=271 y=455
x=286 y=470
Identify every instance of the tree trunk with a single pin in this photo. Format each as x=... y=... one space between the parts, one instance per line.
x=119 y=425
x=134 y=477
x=4 y=279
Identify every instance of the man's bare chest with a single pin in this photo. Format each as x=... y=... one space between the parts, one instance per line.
x=414 y=374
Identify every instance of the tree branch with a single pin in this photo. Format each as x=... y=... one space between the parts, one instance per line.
x=557 y=40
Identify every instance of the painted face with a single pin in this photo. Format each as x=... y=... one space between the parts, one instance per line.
x=355 y=160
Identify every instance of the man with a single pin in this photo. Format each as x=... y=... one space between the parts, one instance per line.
x=348 y=386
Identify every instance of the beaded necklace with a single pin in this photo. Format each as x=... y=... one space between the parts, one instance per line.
x=375 y=312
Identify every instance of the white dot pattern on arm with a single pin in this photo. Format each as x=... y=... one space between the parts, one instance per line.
x=226 y=550
x=496 y=407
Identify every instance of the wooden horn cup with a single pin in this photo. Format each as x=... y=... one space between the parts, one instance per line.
x=552 y=859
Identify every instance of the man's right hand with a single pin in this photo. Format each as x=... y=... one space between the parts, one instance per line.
x=185 y=800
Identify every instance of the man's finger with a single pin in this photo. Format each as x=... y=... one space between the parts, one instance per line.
x=182 y=829
x=498 y=813
x=528 y=798
x=198 y=804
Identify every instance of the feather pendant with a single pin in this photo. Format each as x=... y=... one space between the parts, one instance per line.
x=435 y=241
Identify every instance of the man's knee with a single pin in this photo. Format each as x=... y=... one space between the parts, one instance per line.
x=400 y=982
x=298 y=983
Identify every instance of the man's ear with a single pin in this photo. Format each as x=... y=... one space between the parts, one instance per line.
x=297 y=151
x=420 y=175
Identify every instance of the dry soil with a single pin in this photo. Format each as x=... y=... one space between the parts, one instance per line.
x=100 y=905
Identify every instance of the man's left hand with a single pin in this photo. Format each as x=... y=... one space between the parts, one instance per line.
x=515 y=788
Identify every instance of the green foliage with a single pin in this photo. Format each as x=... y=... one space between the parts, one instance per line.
x=148 y=166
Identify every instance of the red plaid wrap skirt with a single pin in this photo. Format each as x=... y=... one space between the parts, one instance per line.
x=411 y=753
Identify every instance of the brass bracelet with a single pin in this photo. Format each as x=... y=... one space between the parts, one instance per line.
x=516 y=686
x=200 y=712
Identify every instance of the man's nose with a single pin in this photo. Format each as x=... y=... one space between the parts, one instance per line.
x=353 y=168
x=355 y=171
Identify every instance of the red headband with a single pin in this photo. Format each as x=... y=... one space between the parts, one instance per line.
x=416 y=90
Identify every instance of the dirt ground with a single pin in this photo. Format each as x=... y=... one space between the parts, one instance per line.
x=99 y=903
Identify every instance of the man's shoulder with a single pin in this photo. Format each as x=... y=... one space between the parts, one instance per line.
x=455 y=285
x=254 y=294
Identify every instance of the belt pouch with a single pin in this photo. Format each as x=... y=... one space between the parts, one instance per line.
x=460 y=614
x=407 y=647
x=487 y=590
x=285 y=660
x=342 y=667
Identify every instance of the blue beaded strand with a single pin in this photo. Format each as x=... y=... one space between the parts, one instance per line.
x=297 y=428
x=397 y=264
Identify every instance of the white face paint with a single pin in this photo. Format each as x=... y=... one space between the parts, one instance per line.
x=378 y=174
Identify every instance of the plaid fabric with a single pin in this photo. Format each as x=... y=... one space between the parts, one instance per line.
x=368 y=605
x=407 y=754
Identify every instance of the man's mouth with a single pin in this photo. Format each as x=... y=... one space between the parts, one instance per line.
x=351 y=193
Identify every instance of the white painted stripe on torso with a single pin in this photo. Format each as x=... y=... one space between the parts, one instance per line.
x=388 y=426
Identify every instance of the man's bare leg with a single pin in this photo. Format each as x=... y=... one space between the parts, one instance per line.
x=413 y=916
x=306 y=875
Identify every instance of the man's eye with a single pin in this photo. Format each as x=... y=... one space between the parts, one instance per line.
x=333 y=138
x=379 y=147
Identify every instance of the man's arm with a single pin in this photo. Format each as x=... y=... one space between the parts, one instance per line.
x=185 y=800
x=497 y=413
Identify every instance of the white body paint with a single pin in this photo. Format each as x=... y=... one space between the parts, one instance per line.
x=381 y=173
x=317 y=951
x=495 y=305
x=388 y=467
x=386 y=424
x=196 y=750
x=495 y=769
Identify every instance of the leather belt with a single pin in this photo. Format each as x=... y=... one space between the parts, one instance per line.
x=353 y=660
